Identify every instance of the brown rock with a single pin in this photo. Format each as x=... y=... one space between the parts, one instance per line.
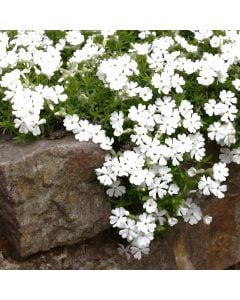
x=216 y=246
x=49 y=194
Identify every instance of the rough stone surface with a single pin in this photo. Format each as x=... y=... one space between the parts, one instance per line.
x=216 y=246
x=49 y=194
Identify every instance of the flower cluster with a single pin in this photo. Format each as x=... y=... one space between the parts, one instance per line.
x=28 y=61
x=167 y=133
x=155 y=101
x=115 y=71
x=84 y=131
x=149 y=166
x=26 y=51
x=87 y=52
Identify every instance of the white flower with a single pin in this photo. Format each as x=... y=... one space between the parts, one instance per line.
x=200 y=35
x=218 y=190
x=185 y=108
x=216 y=132
x=156 y=61
x=183 y=209
x=151 y=147
x=124 y=251
x=236 y=155
x=108 y=32
x=176 y=151
x=116 y=71
x=131 y=88
x=140 y=134
x=11 y=79
x=138 y=176
x=138 y=251
x=173 y=189
x=186 y=142
x=177 y=82
x=49 y=61
x=135 y=113
x=144 y=34
x=161 y=216
x=143 y=239
x=158 y=188
x=116 y=121
x=106 y=144
x=192 y=172
x=119 y=217
x=220 y=171
x=116 y=190
x=120 y=166
x=71 y=122
x=141 y=49
x=206 y=77
x=215 y=41
x=184 y=44
x=145 y=93
x=236 y=84
x=226 y=155
x=198 y=146
x=162 y=82
x=169 y=123
x=190 y=212
x=150 y=206
x=128 y=230
x=98 y=134
x=89 y=51
x=228 y=97
x=209 y=107
x=165 y=174
x=205 y=185
x=207 y=219
x=29 y=123
x=54 y=94
x=74 y=37
x=229 y=134
x=83 y=132
x=23 y=125
x=106 y=175
x=192 y=122
x=172 y=221
x=189 y=66
x=229 y=114
x=146 y=223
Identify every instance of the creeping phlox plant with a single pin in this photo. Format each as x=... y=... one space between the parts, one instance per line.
x=158 y=102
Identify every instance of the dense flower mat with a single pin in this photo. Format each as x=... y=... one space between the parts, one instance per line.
x=154 y=100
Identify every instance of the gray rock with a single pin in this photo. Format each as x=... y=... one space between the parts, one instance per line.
x=49 y=194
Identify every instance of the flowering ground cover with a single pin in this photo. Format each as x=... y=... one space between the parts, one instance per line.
x=154 y=100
